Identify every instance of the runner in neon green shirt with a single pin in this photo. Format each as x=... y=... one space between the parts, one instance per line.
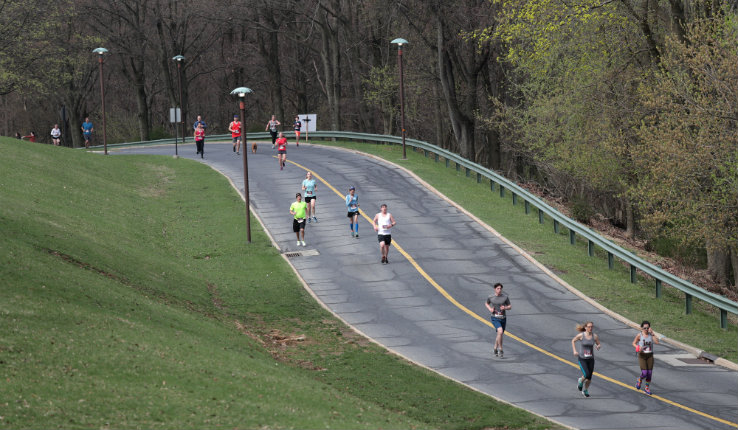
x=298 y=209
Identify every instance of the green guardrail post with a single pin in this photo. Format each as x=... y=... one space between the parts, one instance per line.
x=425 y=152
x=479 y=178
x=467 y=171
x=447 y=163
x=527 y=207
x=633 y=273
x=502 y=191
x=491 y=185
x=610 y=260
x=688 y=303
x=515 y=199
x=436 y=157
x=590 y=248
x=572 y=237
x=541 y=216
x=658 y=288
x=458 y=167
x=723 y=319
x=556 y=227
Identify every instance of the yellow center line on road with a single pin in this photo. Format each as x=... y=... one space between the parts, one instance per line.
x=474 y=315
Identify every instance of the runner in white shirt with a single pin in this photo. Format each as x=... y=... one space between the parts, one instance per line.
x=383 y=222
x=56 y=135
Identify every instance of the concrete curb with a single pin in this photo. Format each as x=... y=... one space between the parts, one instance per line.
x=698 y=353
x=338 y=317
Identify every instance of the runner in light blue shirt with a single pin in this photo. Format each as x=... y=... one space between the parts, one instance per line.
x=352 y=204
x=309 y=186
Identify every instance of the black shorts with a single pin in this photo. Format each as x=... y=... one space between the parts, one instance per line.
x=282 y=151
x=386 y=238
x=351 y=214
x=308 y=198
x=297 y=226
x=236 y=139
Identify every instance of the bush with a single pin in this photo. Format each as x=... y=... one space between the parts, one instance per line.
x=581 y=210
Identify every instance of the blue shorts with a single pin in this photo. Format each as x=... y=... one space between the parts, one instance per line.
x=497 y=322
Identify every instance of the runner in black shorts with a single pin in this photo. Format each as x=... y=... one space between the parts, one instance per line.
x=383 y=222
x=352 y=204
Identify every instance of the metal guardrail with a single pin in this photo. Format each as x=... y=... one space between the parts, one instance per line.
x=593 y=239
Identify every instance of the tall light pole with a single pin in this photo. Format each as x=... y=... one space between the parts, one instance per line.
x=399 y=43
x=241 y=93
x=100 y=54
x=179 y=60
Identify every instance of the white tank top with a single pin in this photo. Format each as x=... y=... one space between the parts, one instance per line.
x=382 y=221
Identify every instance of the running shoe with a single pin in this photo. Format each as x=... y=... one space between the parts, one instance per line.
x=386 y=261
x=585 y=393
x=499 y=353
x=315 y=219
x=309 y=220
x=356 y=235
x=647 y=390
x=238 y=153
x=234 y=149
x=495 y=352
x=352 y=233
x=579 y=384
x=303 y=243
x=298 y=243
x=638 y=384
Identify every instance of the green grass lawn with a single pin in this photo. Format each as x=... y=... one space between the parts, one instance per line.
x=130 y=299
x=611 y=288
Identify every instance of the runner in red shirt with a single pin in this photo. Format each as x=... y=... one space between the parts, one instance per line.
x=235 y=129
x=281 y=143
x=200 y=140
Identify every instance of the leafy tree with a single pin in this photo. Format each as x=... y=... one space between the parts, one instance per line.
x=689 y=160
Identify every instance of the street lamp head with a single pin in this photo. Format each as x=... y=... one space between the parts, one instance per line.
x=400 y=42
x=100 y=51
x=178 y=58
x=241 y=91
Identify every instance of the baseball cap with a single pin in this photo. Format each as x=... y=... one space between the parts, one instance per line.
x=351 y=188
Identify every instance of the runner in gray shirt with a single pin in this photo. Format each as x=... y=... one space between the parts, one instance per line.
x=498 y=304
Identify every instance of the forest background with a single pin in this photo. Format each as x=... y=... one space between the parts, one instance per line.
x=624 y=110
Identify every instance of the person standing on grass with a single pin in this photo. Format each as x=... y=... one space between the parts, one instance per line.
x=298 y=209
x=272 y=128
x=383 y=222
x=200 y=140
x=87 y=129
x=235 y=129
x=352 y=204
x=643 y=344
x=498 y=304
x=588 y=341
x=297 y=126
x=309 y=186
x=56 y=135
x=281 y=150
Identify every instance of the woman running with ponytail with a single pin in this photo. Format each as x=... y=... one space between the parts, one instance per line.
x=589 y=340
x=643 y=344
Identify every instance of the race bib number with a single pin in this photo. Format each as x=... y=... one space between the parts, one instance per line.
x=301 y=220
x=647 y=349
x=499 y=316
x=353 y=206
x=308 y=193
x=587 y=354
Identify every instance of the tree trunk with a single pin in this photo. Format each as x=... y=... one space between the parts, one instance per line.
x=462 y=125
x=734 y=263
x=718 y=263
x=629 y=218
x=269 y=48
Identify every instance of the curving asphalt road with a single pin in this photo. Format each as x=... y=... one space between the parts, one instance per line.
x=428 y=305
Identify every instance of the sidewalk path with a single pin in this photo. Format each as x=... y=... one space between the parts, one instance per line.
x=403 y=310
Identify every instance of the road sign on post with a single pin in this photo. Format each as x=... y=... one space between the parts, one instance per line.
x=175 y=115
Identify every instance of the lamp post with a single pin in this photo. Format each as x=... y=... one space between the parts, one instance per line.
x=100 y=54
x=399 y=43
x=241 y=93
x=179 y=60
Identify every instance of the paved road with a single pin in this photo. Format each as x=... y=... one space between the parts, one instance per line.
x=397 y=307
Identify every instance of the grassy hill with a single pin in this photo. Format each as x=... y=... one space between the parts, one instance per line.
x=130 y=299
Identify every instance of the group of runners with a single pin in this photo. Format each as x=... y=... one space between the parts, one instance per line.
x=303 y=212
x=498 y=304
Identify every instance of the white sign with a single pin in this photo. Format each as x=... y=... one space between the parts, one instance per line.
x=309 y=121
x=172 y=113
